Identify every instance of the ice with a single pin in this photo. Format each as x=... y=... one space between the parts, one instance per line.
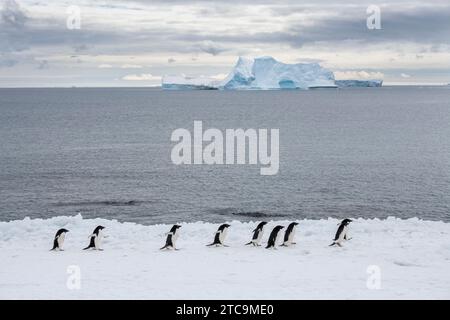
x=412 y=257
x=183 y=82
x=266 y=73
x=359 y=83
x=263 y=73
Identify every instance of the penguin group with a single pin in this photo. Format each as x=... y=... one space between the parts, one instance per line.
x=219 y=236
x=95 y=239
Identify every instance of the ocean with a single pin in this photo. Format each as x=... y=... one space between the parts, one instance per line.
x=105 y=152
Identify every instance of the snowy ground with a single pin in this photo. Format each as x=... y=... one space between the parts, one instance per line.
x=413 y=258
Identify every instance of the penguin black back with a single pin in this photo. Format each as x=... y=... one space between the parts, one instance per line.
x=217 y=236
x=342 y=225
x=57 y=235
x=94 y=235
x=257 y=233
x=289 y=230
x=171 y=237
x=273 y=237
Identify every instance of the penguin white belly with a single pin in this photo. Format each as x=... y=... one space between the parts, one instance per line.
x=98 y=240
x=277 y=238
x=222 y=236
x=174 y=238
x=342 y=235
x=60 y=240
x=291 y=237
x=258 y=239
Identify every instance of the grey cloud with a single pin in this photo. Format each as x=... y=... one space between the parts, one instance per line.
x=43 y=64
x=7 y=61
x=12 y=15
x=211 y=47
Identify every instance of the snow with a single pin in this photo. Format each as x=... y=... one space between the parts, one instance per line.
x=412 y=255
x=359 y=83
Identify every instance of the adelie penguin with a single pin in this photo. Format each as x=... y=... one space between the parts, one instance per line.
x=341 y=233
x=96 y=239
x=273 y=237
x=289 y=235
x=257 y=235
x=172 y=237
x=220 y=235
x=58 y=242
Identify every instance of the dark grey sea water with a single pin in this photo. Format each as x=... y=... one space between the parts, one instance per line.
x=374 y=152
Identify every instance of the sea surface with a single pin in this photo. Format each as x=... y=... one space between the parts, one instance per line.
x=360 y=152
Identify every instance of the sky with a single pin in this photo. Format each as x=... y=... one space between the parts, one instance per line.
x=56 y=43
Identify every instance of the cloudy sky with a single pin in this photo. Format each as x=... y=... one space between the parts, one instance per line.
x=134 y=43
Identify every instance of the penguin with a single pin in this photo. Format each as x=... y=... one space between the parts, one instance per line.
x=341 y=233
x=273 y=237
x=289 y=235
x=257 y=234
x=96 y=238
x=220 y=235
x=172 y=237
x=58 y=242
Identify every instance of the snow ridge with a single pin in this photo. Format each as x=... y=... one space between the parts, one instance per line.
x=412 y=255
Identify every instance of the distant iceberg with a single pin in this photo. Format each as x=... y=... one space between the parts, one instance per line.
x=358 y=83
x=182 y=82
x=266 y=73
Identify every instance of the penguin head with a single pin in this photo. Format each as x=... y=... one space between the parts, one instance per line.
x=294 y=224
x=279 y=228
x=63 y=230
x=98 y=228
x=177 y=226
x=346 y=222
x=226 y=225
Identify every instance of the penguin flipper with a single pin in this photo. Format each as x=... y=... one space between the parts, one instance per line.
x=247 y=244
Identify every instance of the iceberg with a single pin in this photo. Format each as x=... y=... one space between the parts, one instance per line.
x=263 y=73
x=358 y=83
x=266 y=73
x=183 y=82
